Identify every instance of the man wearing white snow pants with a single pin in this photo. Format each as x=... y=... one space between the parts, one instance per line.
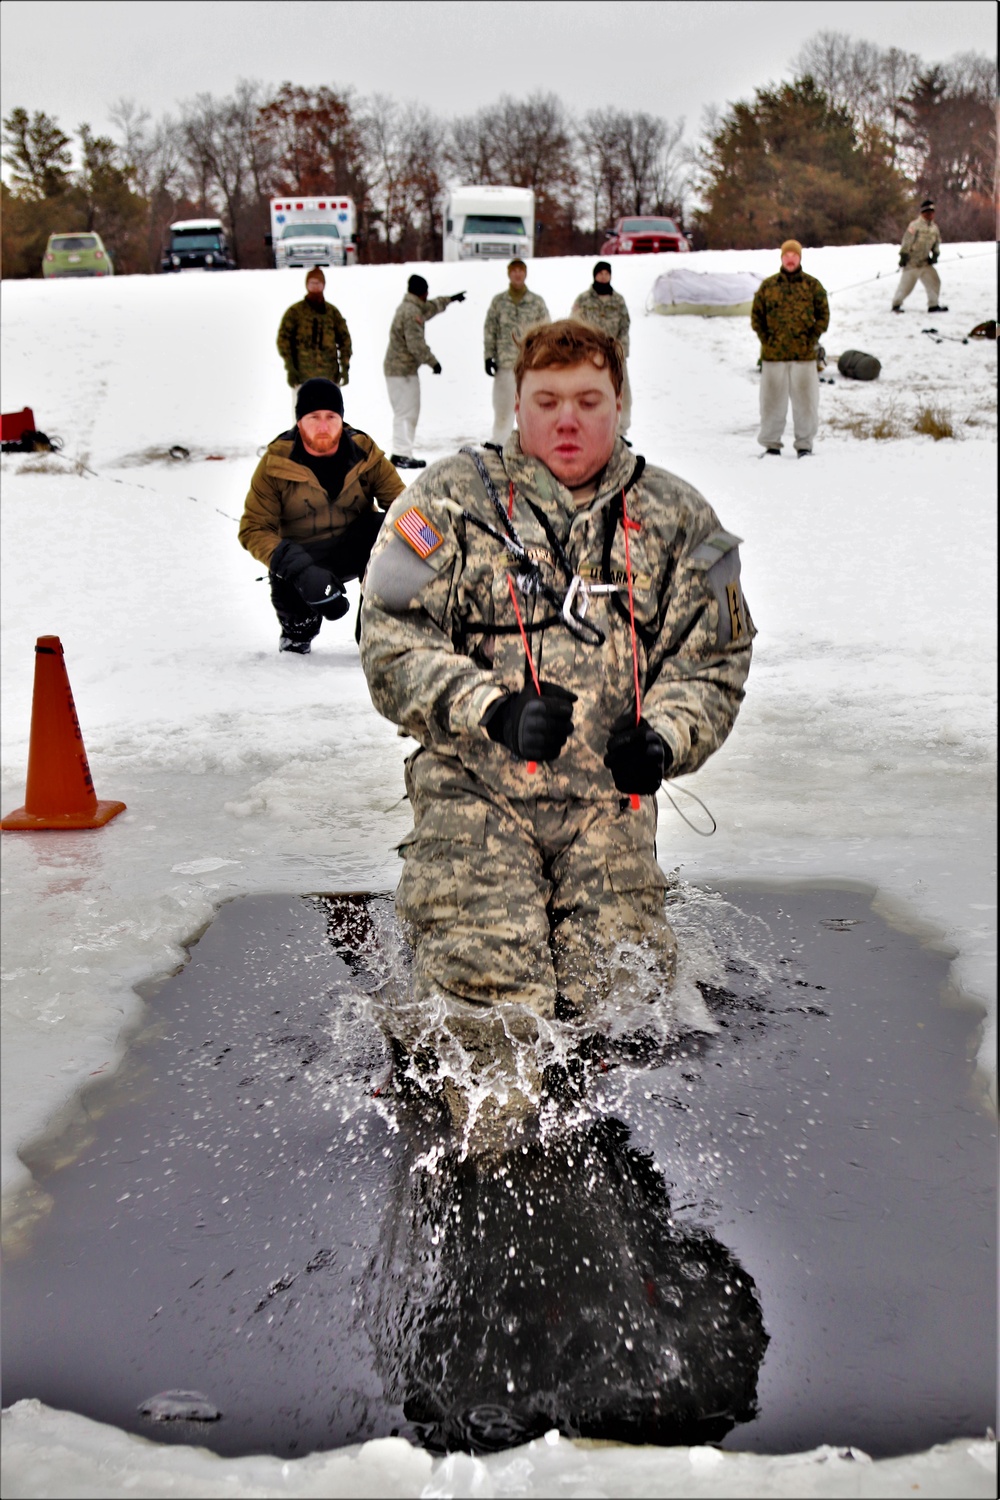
x=404 y=398
x=406 y=352
x=790 y=312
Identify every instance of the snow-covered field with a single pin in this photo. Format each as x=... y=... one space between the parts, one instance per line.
x=865 y=751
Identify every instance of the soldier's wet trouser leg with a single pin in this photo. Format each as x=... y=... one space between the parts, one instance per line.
x=625 y=420
x=803 y=379
x=610 y=934
x=474 y=893
x=775 y=386
x=404 y=398
x=503 y=405
x=908 y=279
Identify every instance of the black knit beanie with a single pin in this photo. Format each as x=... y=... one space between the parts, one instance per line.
x=602 y=265
x=318 y=394
x=417 y=285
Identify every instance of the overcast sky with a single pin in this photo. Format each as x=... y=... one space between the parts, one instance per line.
x=74 y=58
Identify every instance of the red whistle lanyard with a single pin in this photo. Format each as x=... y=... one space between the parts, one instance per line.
x=628 y=526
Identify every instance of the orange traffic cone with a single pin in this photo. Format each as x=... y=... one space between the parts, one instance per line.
x=60 y=791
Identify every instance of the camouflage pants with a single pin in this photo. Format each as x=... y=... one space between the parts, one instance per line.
x=909 y=276
x=525 y=900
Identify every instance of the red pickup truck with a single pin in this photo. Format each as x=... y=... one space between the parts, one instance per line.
x=644 y=236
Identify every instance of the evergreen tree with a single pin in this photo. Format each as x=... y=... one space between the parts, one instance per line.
x=789 y=165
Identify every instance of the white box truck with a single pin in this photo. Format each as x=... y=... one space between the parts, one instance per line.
x=489 y=223
x=315 y=231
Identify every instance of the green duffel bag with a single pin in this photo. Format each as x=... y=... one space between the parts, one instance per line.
x=858 y=366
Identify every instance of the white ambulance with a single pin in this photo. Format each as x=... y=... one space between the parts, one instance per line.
x=315 y=231
x=489 y=223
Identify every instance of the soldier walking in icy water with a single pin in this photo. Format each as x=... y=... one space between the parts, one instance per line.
x=790 y=312
x=560 y=626
x=918 y=256
x=605 y=308
x=406 y=352
x=509 y=316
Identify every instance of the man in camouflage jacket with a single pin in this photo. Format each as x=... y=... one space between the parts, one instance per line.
x=508 y=318
x=313 y=338
x=310 y=515
x=603 y=307
x=531 y=888
x=918 y=255
x=406 y=352
x=790 y=312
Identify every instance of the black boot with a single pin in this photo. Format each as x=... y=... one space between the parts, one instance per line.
x=398 y=461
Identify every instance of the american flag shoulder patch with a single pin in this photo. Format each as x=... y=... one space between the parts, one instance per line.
x=414 y=527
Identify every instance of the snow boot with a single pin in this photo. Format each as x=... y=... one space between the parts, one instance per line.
x=398 y=461
x=937 y=308
x=297 y=648
x=770 y=453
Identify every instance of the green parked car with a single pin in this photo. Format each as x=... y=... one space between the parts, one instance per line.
x=81 y=254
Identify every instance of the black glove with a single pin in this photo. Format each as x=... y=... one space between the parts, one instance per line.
x=933 y=257
x=904 y=259
x=491 y=368
x=637 y=758
x=532 y=727
x=321 y=589
x=458 y=297
x=435 y=368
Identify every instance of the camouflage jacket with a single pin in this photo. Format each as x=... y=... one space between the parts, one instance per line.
x=440 y=639
x=286 y=499
x=789 y=313
x=408 y=349
x=607 y=313
x=506 y=321
x=920 y=241
x=314 y=341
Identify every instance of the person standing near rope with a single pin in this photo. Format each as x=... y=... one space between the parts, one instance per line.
x=918 y=257
x=605 y=308
x=509 y=316
x=560 y=626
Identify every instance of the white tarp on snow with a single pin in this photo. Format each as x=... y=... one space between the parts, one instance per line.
x=709 y=294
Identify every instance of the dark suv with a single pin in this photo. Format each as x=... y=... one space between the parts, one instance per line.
x=197 y=244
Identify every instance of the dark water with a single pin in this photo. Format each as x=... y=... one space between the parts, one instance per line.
x=771 y=1238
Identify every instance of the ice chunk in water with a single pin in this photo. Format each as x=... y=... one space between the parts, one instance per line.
x=177 y=1406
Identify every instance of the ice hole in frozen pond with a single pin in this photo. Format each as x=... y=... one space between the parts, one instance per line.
x=777 y=1235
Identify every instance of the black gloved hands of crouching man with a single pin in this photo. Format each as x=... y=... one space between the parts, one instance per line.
x=636 y=757
x=321 y=589
x=532 y=726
